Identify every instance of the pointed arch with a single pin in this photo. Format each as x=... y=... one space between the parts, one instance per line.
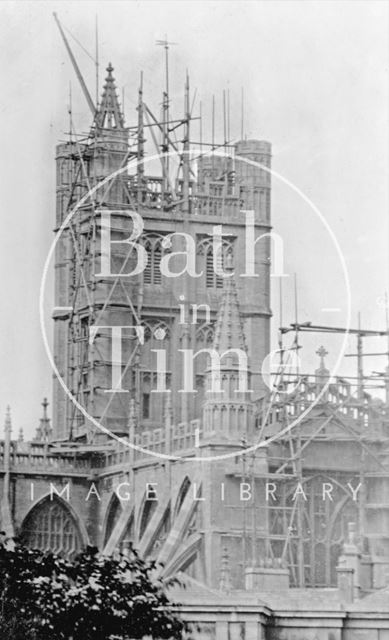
x=52 y=525
x=145 y=514
x=112 y=515
x=182 y=492
x=324 y=528
x=205 y=335
x=205 y=247
x=155 y=251
x=185 y=556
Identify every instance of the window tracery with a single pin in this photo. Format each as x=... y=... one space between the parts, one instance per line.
x=205 y=252
x=324 y=530
x=157 y=335
x=51 y=527
x=153 y=246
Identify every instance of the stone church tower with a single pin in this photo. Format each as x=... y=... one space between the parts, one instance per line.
x=177 y=471
x=157 y=303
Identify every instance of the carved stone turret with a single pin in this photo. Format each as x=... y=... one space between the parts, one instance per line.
x=228 y=409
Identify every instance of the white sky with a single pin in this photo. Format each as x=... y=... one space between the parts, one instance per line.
x=316 y=86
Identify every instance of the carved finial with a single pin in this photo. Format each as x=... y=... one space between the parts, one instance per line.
x=225 y=576
x=8 y=421
x=168 y=407
x=322 y=373
x=21 y=435
x=131 y=421
x=109 y=114
x=168 y=421
x=322 y=353
x=45 y=404
x=43 y=430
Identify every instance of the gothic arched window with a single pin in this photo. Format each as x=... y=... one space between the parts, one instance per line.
x=204 y=340
x=205 y=336
x=50 y=526
x=324 y=529
x=156 y=336
x=205 y=252
x=155 y=251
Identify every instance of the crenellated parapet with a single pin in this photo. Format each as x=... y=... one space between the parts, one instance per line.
x=31 y=458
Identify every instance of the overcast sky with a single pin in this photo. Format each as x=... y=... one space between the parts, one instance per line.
x=316 y=85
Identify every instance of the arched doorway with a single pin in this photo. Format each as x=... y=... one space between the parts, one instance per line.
x=50 y=526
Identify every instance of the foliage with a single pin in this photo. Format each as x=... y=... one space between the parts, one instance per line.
x=45 y=597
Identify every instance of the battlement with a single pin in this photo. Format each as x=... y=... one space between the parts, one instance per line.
x=178 y=439
x=31 y=458
x=41 y=457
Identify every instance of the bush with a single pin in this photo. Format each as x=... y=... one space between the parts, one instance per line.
x=45 y=597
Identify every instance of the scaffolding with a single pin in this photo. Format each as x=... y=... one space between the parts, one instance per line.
x=192 y=181
x=106 y=169
x=291 y=537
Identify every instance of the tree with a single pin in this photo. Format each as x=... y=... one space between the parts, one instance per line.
x=94 y=597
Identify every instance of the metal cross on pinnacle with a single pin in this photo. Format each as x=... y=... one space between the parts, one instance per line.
x=322 y=353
